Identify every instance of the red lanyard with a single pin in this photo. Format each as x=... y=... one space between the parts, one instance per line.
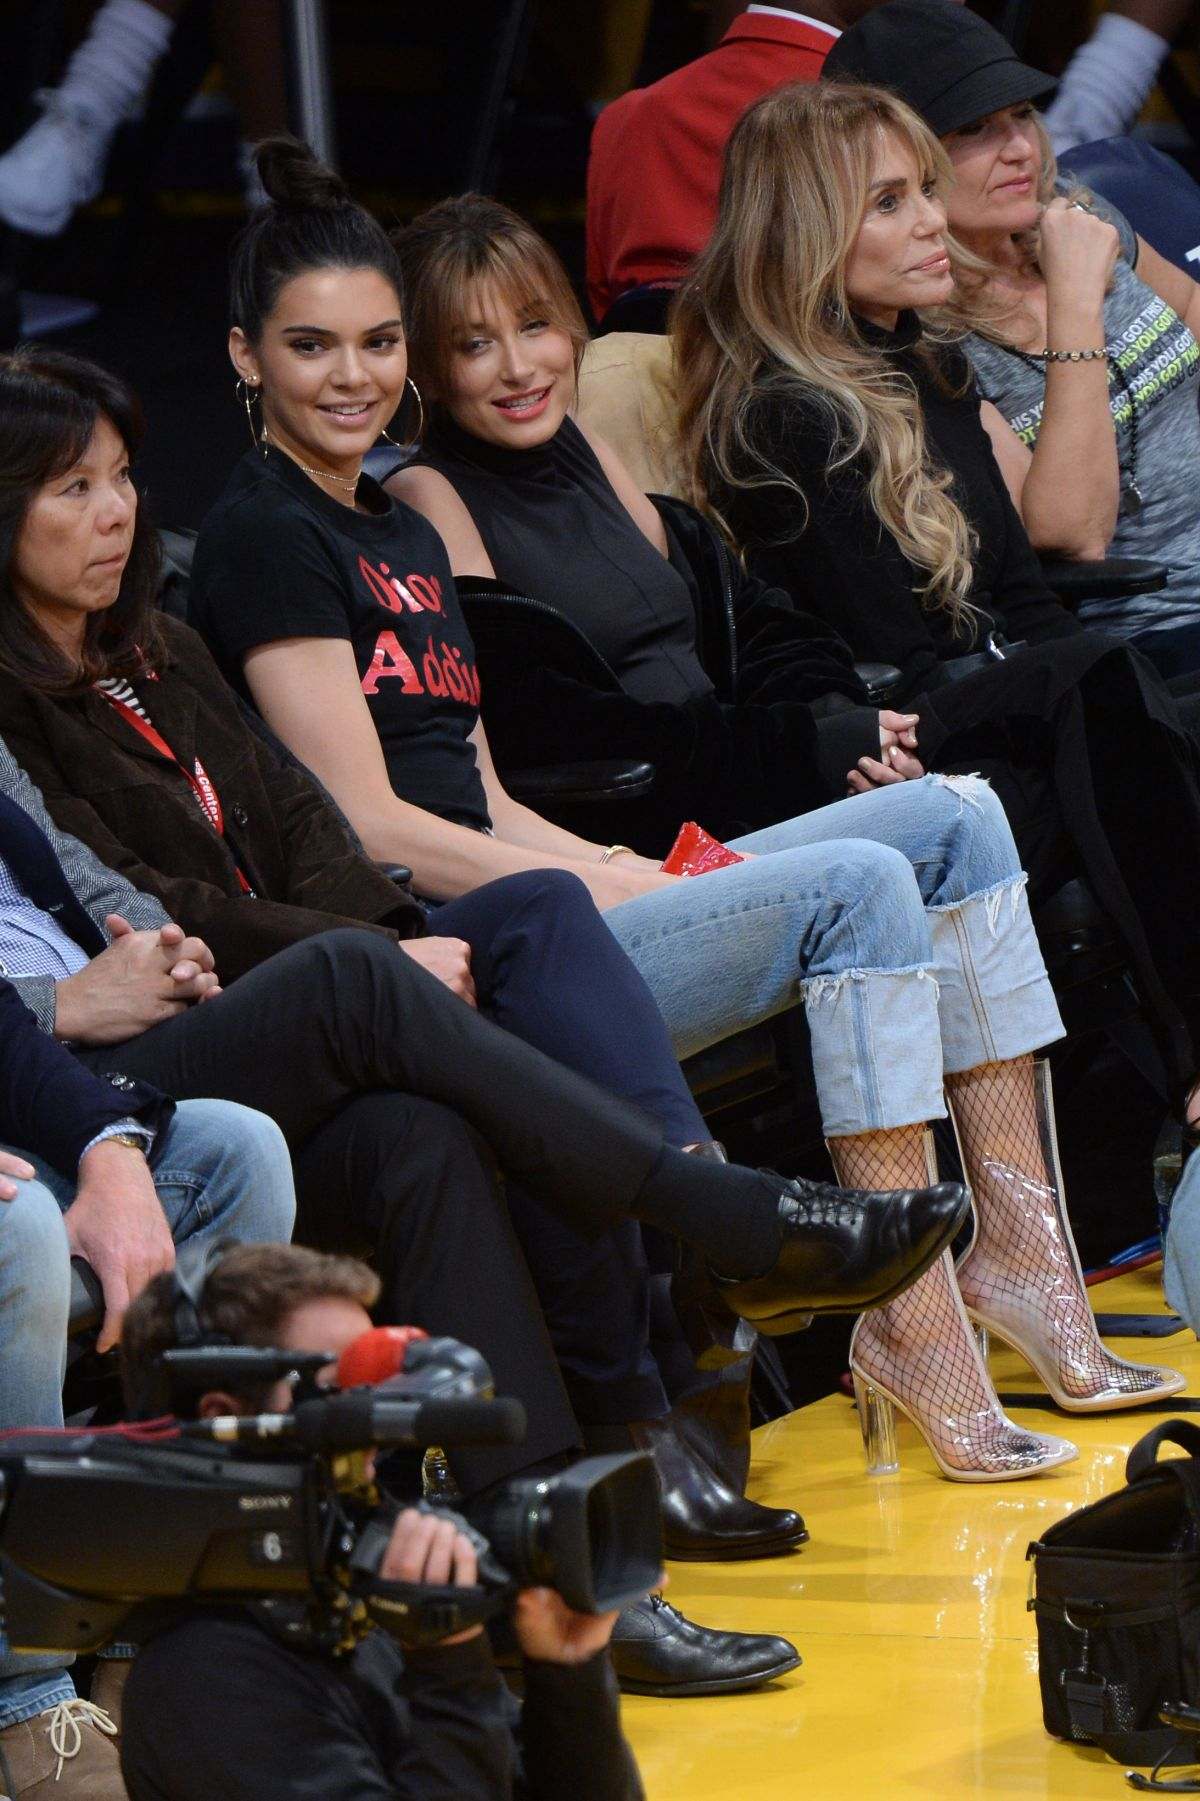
x=197 y=777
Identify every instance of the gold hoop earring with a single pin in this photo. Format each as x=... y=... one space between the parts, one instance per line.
x=420 y=431
x=247 y=392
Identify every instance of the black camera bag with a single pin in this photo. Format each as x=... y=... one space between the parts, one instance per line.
x=1116 y=1591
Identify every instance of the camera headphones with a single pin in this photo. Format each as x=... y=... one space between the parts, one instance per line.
x=188 y=1280
x=200 y=1358
x=160 y=1389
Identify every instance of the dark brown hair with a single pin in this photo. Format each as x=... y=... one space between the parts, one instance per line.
x=313 y=222
x=248 y=1295
x=463 y=244
x=50 y=405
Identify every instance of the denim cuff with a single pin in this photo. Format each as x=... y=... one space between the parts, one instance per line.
x=994 y=996
x=24 y=1697
x=876 y=1050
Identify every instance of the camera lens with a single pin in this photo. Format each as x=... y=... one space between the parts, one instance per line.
x=593 y=1532
x=516 y=1523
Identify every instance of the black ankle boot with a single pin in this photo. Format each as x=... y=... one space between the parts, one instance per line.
x=715 y=1422
x=717 y=1337
x=704 y=1520
x=843 y=1250
x=655 y=1651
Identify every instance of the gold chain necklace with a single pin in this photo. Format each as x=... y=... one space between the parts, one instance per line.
x=343 y=481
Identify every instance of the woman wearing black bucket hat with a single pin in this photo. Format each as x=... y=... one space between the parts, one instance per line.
x=1079 y=332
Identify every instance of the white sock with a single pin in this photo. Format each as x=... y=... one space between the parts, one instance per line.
x=109 y=73
x=1106 y=83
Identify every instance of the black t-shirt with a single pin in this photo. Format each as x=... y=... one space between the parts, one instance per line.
x=278 y=558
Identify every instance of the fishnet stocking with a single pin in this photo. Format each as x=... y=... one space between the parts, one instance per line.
x=919 y=1350
x=1022 y=1275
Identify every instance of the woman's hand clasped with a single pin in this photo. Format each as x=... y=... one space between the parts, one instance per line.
x=896 y=761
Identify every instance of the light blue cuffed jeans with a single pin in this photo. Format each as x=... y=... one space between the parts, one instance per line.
x=899 y=918
x=222 y=1171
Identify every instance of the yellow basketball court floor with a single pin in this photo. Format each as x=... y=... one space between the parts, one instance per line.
x=908 y=1606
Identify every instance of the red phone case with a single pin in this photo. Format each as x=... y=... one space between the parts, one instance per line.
x=696 y=851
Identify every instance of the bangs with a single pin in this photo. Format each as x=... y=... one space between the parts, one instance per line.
x=528 y=286
x=51 y=405
x=475 y=283
x=70 y=434
x=928 y=151
x=481 y=301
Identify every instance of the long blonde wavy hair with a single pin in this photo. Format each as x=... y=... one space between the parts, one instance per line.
x=764 y=317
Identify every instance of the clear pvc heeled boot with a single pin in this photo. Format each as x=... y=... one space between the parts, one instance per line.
x=919 y=1353
x=1021 y=1278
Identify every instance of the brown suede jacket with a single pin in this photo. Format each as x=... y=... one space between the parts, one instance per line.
x=103 y=782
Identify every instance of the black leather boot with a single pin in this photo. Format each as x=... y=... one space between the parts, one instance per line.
x=655 y=1651
x=715 y=1422
x=704 y=1520
x=843 y=1250
x=717 y=1337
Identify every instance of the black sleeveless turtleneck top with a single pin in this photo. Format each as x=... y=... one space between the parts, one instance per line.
x=555 y=529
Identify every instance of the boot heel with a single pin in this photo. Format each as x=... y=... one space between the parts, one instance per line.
x=877 y=1420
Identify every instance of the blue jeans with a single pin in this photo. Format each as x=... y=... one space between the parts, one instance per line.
x=898 y=918
x=221 y=1171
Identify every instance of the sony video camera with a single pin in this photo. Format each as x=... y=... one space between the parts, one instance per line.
x=106 y=1534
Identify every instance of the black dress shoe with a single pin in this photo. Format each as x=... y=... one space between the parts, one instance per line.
x=704 y=1520
x=655 y=1651
x=843 y=1250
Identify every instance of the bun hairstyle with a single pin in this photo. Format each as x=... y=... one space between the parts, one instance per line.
x=312 y=222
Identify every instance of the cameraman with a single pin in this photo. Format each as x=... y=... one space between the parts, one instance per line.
x=217 y=1705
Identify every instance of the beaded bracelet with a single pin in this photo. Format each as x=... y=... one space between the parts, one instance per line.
x=1076 y=356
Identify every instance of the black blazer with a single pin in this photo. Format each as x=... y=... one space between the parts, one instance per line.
x=38 y=872
x=50 y=1105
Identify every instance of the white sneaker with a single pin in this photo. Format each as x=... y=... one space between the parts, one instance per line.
x=56 y=167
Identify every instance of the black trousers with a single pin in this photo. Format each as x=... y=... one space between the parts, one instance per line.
x=405 y=1184
x=548 y=969
x=311 y=1036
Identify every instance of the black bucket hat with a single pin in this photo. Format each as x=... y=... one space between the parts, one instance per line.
x=947 y=63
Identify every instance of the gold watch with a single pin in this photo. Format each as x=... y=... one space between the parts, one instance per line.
x=134 y=1141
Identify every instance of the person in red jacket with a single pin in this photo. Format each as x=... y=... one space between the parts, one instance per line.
x=655 y=162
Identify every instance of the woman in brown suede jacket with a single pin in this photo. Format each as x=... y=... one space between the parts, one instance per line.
x=283 y=865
